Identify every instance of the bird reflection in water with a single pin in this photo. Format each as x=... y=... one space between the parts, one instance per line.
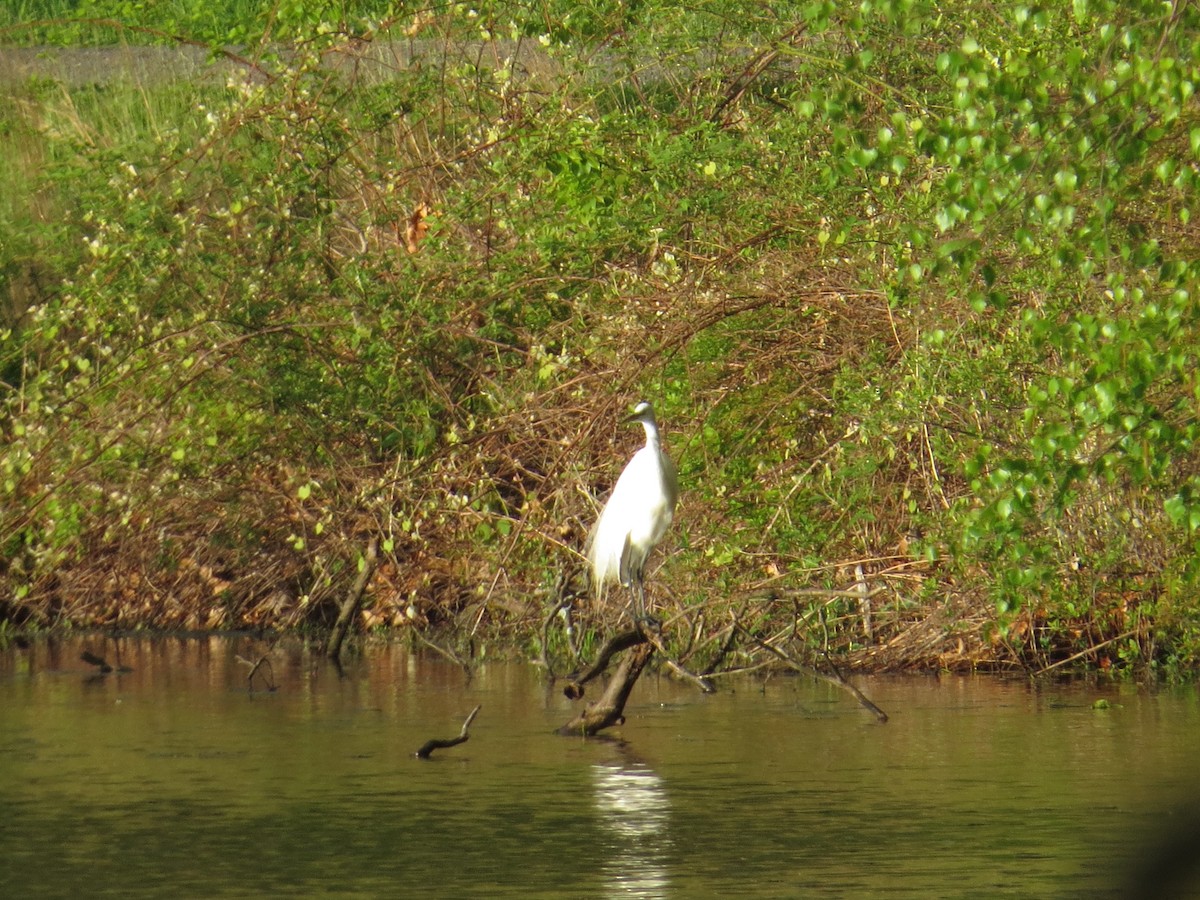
x=635 y=814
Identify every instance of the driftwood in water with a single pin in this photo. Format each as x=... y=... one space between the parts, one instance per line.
x=103 y=667
x=610 y=708
x=255 y=666
x=350 y=605
x=429 y=746
x=614 y=645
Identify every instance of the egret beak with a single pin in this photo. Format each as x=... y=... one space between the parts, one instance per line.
x=637 y=413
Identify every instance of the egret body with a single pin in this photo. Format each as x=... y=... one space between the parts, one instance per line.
x=636 y=516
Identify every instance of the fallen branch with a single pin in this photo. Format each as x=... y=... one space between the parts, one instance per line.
x=753 y=70
x=727 y=645
x=623 y=641
x=1086 y=652
x=333 y=650
x=429 y=746
x=841 y=682
x=445 y=652
x=792 y=593
x=678 y=668
x=610 y=708
x=618 y=642
x=835 y=679
x=268 y=674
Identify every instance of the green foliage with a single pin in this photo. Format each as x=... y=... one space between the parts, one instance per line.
x=1088 y=177
x=906 y=283
x=220 y=23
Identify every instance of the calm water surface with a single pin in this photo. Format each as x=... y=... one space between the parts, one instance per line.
x=174 y=780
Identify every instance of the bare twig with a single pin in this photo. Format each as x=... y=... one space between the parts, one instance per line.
x=753 y=70
x=726 y=646
x=443 y=651
x=772 y=596
x=698 y=680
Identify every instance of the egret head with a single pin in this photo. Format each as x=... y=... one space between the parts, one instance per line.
x=643 y=412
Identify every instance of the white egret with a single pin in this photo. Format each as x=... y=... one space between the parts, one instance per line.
x=636 y=516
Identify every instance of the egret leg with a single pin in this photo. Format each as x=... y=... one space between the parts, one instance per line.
x=640 y=617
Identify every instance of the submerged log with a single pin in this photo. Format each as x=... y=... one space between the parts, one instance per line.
x=609 y=710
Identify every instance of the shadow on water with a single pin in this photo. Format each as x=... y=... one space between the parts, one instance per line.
x=1166 y=861
x=169 y=776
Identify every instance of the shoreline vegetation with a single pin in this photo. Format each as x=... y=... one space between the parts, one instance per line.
x=913 y=292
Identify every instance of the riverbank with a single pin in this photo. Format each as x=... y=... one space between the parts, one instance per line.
x=923 y=355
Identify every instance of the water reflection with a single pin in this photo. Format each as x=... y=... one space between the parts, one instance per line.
x=635 y=815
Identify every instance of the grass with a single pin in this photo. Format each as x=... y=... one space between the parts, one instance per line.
x=221 y=23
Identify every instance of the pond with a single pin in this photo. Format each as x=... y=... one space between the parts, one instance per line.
x=174 y=779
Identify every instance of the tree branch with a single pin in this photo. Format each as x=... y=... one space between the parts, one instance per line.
x=610 y=708
x=429 y=746
x=333 y=650
x=618 y=642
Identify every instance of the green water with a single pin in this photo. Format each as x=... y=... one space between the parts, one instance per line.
x=174 y=780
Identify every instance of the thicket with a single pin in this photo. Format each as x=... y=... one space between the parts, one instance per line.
x=911 y=287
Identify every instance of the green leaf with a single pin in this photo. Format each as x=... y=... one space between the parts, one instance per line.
x=1176 y=509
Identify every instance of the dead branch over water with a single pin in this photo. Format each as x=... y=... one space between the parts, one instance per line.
x=640 y=645
x=609 y=710
x=614 y=645
x=836 y=678
x=441 y=744
x=263 y=664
